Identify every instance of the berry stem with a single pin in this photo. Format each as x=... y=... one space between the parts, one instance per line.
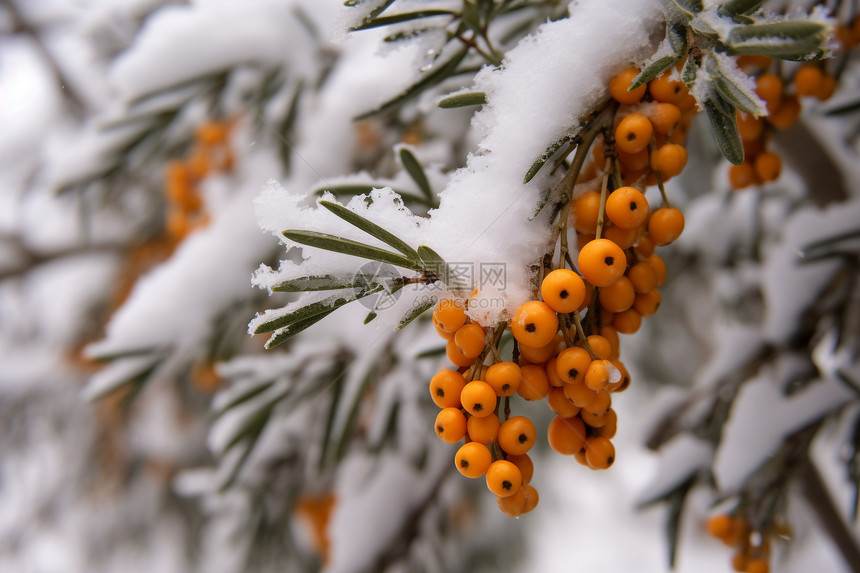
x=581 y=332
x=604 y=185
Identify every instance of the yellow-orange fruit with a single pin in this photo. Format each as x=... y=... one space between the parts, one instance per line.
x=610 y=424
x=665 y=225
x=627 y=207
x=786 y=114
x=531 y=498
x=749 y=127
x=456 y=357
x=642 y=276
x=552 y=375
x=742 y=176
x=624 y=238
x=633 y=133
x=767 y=166
x=602 y=262
x=469 y=339
x=473 y=459
x=807 y=80
x=619 y=83
x=646 y=304
x=483 y=429
x=669 y=160
x=445 y=388
x=571 y=364
x=450 y=425
x=525 y=465
x=560 y=404
x=535 y=384
x=600 y=346
x=601 y=403
x=539 y=355
x=517 y=435
x=478 y=398
x=659 y=268
x=584 y=212
x=627 y=322
x=665 y=117
x=597 y=374
x=504 y=378
x=580 y=395
x=504 y=478
x=599 y=453
x=562 y=290
x=449 y=315
x=769 y=88
x=566 y=435
x=512 y=505
x=534 y=324
x=618 y=296
x=667 y=90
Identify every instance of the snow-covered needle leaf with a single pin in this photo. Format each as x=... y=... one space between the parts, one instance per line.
x=397 y=18
x=416 y=172
x=243 y=397
x=415 y=312
x=462 y=100
x=732 y=91
x=786 y=39
x=287 y=332
x=735 y=7
x=372 y=228
x=653 y=71
x=547 y=155
x=324 y=282
x=349 y=247
x=429 y=80
x=316 y=309
x=686 y=8
x=430 y=257
x=724 y=126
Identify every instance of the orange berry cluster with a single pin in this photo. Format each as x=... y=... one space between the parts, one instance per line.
x=470 y=409
x=734 y=531
x=210 y=152
x=783 y=106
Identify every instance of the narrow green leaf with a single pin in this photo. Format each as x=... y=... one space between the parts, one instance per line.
x=547 y=155
x=683 y=8
x=416 y=172
x=462 y=100
x=337 y=392
x=735 y=7
x=689 y=72
x=785 y=39
x=360 y=189
x=429 y=257
x=323 y=282
x=429 y=80
x=704 y=28
x=244 y=397
x=370 y=316
x=349 y=247
x=677 y=36
x=842 y=109
x=415 y=312
x=740 y=96
x=253 y=426
x=673 y=520
x=652 y=71
x=725 y=129
x=313 y=309
x=287 y=332
x=371 y=228
x=397 y=18
x=286 y=127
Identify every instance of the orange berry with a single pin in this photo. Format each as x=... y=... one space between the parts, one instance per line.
x=594 y=421
x=741 y=176
x=665 y=117
x=534 y=324
x=579 y=394
x=749 y=127
x=539 y=355
x=560 y=404
x=634 y=162
x=504 y=378
x=618 y=296
x=535 y=384
x=555 y=380
x=767 y=166
x=445 y=388
x=610 y=425
x=751 y=61
x=562 y=290
x=633 y=133
x=211 y=133
x=786 y=114
x=517 y=435
x=483 y=430
x=601 y=403
x=666 y=90
x=199 y=163
x=456 y=357
x=602 y=262
x=584 y=212
x=665 y=225
x=623 y=382
x=597 y=375
x=589 y=296
x=178 y=225
x=513 y=505
x=525 y=465
x=758 y=566
x=642 y=276
x=611 y=336
x=470 y=340
x=769 y=88
x=669 y=160
x=827 y=88
x=531 y=498
x=478 y=398
x=473 y=459
x=504 y=478
x=624 y=238
x=626 y=207
x=719 y=526
x=600 y=345
x=646 y=304
x=807 y=80
x=599 y=453
x=740 y=561
x=449 y=315
x=619 y=83
x=442 y=333
x=627 y=322
x=566 y=435
x=580 y=457
x=450 y=425
x=659 y=268
x=645 y=246
x=571 y=364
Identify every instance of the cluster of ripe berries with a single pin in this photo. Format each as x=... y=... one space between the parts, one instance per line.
x=572 y=363
x=210 y=152
x=783 y=102
x=735 y=532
